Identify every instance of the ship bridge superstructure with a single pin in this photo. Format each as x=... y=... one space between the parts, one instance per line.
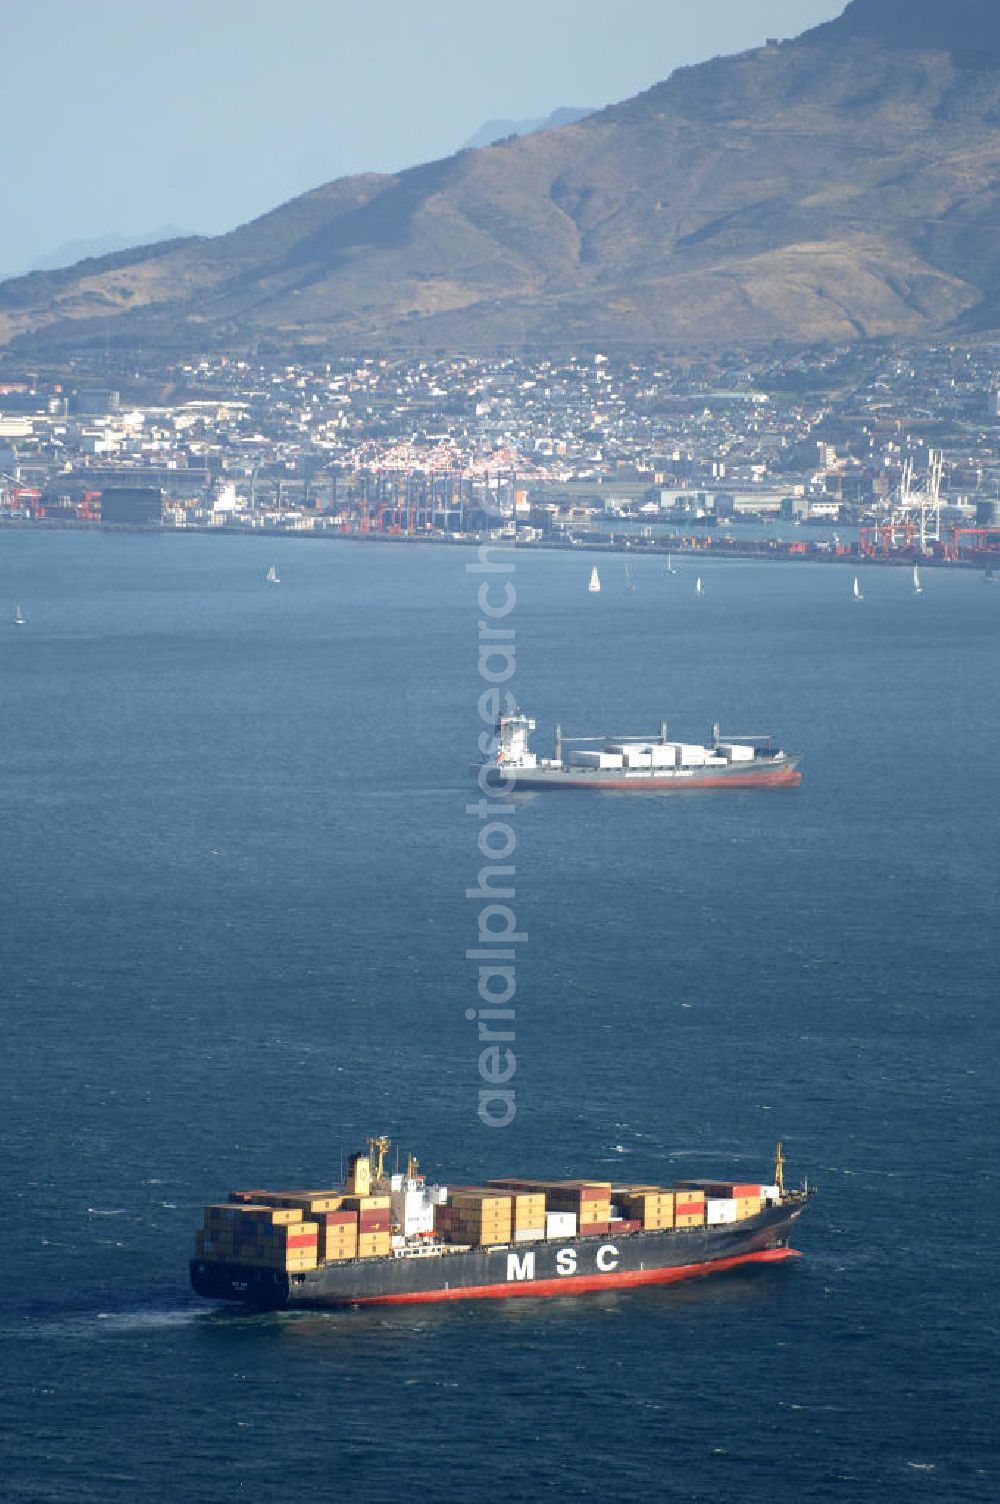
x=512 y=731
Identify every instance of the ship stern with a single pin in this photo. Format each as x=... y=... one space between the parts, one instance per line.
x=262 y=1288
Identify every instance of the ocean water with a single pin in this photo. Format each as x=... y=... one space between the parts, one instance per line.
x=235 y=855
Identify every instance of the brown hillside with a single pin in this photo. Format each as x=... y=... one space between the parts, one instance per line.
x=840 y=185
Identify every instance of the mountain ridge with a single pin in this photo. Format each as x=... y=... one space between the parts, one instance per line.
x=837 y=186
x=965 y=27
x=493 y=131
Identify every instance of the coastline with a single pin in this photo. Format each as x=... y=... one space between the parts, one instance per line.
x=758 y=551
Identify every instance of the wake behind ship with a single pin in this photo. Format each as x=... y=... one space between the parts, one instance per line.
x=393 y=1239
x=654 y=764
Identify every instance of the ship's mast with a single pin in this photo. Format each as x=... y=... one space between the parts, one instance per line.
x=779 y=1169
x=378 y=1148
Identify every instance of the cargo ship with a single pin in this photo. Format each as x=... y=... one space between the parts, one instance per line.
x=636 y=765
x=395 y=1239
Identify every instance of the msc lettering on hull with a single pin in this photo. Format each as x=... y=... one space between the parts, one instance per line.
x=521 y=1266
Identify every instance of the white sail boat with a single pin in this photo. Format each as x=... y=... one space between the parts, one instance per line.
x=699 y=587
x=857 y=590
x=272 y=576
x=595 y=581
x=18 y=616
x=629 y=582
x=918 y=589
x=668 y=568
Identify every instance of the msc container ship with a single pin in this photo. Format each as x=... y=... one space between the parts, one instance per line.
x=653 y=764
x=394 y=1239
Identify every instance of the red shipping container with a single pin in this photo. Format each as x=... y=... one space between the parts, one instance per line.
x=689 y=1208
x=593 y=1229
x=722 y=1188
x=374 y=1223
x=338 y=1219
x=304 y=1240
x=627 y=1224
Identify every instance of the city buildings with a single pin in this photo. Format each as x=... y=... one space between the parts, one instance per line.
x=547 y=448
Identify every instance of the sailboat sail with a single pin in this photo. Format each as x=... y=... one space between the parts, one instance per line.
x=272 y=575
x=918 y=588
x=857 y=590
x=18 y=617
x=699 y=587
x=595 y=581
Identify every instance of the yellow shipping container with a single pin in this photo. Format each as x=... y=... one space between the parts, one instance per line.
x=529 y=1210
x=650 y=1215
x=747 y=1206
x=690 y=1219
x=309 y=1202
x=268 y=1217
x=649 y=1208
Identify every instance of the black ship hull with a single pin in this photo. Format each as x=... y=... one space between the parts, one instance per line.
x=575 y=1266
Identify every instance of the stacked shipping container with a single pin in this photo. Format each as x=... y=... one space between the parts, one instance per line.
x=345 y=1227
x=588 y=1200
x=294 y=1230
x=650 y=1205
x=477 y=1215
x=529 y=1215
x=744 y=1197
x=689 y=1208
x=261 y=1236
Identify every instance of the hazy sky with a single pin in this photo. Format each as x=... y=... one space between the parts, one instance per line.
x=123 y=116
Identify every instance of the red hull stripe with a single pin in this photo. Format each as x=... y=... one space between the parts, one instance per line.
x=581 y=1284
x=789 y=779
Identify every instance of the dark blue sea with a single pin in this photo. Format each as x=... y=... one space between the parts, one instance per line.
x=233 y=928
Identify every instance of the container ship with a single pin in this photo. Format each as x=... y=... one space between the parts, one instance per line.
x=647 y=764
x=395 y=1239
